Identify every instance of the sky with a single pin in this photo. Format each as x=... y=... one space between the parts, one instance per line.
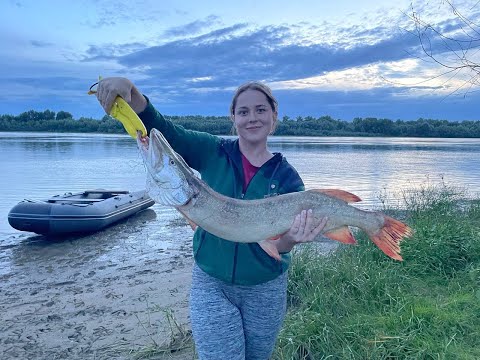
x=342 y=58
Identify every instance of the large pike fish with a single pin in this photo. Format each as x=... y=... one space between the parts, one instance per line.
x=170 y=181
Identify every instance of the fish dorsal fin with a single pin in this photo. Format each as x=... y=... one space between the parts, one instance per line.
x=343 y=235
x=339 y=194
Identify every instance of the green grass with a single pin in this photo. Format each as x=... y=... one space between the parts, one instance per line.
x=359 y=304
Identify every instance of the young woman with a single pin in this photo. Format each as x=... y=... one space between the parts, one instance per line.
x=238 y=294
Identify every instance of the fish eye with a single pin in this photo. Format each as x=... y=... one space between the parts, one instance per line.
x=172 y=162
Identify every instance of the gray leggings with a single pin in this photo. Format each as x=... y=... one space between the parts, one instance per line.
x=236 y=322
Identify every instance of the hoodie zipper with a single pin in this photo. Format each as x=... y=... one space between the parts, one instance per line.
x=235 y=185
x=242 y=196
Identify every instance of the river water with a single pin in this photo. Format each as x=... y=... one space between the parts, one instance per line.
x=39 y=165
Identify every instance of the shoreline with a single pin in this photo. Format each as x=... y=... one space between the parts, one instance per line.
x=121 y=133
x=117 y=293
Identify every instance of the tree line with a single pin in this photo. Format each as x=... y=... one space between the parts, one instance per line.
x=62 y=121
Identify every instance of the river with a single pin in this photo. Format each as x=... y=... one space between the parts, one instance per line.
x=39 y=165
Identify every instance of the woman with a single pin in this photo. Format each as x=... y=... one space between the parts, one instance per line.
x=238 y=294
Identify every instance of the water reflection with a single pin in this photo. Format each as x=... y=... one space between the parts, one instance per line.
x=38 y=254
x=375 y=144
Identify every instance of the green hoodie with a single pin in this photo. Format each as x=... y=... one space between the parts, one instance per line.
x=219 y=163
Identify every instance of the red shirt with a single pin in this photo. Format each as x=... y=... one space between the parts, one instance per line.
x=248 y=170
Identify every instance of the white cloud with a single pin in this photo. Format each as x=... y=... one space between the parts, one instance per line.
x=200 y=79
x=411 y=76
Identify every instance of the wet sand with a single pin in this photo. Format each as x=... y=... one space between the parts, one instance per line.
x=115 y=294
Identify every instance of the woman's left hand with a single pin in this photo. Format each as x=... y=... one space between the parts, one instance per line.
x=304 y=229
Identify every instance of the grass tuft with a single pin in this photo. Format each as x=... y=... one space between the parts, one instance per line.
x=180 y=338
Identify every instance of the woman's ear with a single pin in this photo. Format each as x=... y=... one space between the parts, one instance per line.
x=275 y=122
x=233 y=130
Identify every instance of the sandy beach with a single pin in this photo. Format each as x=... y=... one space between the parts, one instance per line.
x=117 y=294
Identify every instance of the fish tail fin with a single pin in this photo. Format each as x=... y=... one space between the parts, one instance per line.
x=388 y=238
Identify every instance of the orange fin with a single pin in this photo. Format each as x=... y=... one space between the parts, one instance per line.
x=276 y=237
x=339 y=194
x=190 y=222
x=271 y=249
x=388 y=238
x=343 y=234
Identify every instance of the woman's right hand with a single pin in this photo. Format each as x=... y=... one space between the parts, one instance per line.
x=109 y=88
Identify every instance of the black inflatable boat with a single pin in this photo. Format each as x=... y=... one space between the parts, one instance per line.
x=86 y=211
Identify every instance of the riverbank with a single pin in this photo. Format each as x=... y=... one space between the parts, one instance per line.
x=115 y=294
x=358 y=304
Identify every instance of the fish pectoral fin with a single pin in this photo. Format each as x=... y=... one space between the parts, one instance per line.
x=190 y=222
x=339 y=194
x=343 y=235
x=270 y=248
x=276 y=237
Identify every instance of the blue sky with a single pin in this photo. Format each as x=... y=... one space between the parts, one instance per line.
x=345 y=59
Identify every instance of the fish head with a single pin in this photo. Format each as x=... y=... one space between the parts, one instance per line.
x=167 y=172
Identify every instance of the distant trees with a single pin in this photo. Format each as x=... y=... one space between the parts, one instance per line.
x=373 y=125
x=61 y=115
x=61 y=122
x=221 y=125
x=32 y=115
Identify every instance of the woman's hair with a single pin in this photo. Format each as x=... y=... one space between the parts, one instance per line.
x=263 y=88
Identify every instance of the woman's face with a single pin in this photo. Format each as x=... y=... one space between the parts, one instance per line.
x=253 y=116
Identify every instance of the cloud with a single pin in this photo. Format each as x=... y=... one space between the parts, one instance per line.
x=16 y=3
x=41 y=44
x=192 y=28
x=227 y=56
x=343 y=105
x=109 y=13
x=110 y=51
x=230 y=55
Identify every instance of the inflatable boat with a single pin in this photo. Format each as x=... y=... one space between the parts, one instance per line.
x=86 y=211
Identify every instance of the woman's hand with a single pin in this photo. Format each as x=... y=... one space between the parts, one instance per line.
x=303 y=230
x=109 y=88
